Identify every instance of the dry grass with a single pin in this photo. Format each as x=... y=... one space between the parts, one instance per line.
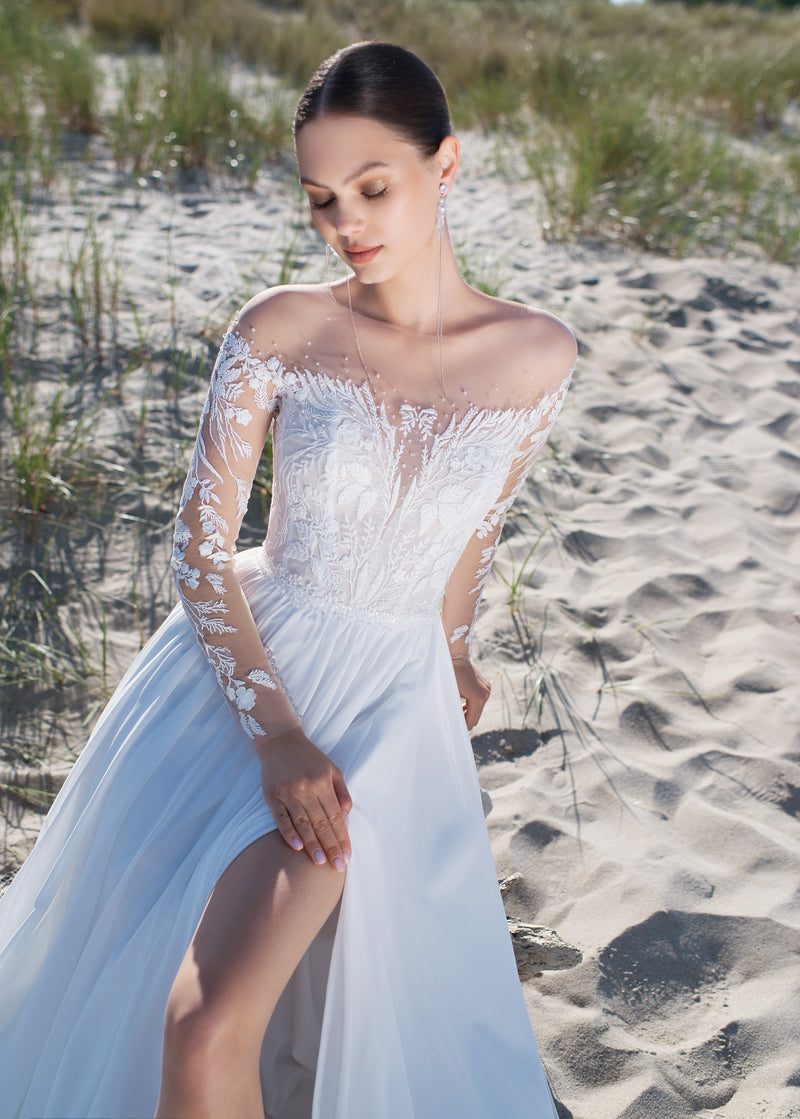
x=664 y=125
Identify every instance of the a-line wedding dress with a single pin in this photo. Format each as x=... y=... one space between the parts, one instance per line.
x=386 y=514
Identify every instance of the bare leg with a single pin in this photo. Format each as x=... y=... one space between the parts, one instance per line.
x=263 y=914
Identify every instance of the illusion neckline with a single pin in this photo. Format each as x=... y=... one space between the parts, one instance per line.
x=458 y=415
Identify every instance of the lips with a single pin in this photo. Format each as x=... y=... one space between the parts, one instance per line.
x=361 y=254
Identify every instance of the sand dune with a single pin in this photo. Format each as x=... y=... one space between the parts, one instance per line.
x=655 y=813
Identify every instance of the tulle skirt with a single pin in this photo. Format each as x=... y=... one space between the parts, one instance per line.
x=406 y=1006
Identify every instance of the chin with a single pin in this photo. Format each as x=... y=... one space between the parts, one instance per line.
x=376 y=272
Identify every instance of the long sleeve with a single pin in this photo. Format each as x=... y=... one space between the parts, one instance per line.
x=465 y=586
x=238 y=411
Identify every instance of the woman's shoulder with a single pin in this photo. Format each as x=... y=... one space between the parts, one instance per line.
x=532 y=345
x=275 y=319
x=528 y=328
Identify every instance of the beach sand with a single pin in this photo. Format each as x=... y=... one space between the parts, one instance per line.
x=641 y=632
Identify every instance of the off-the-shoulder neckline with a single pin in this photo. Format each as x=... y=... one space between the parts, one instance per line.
x=378 y=322
x=470 y=409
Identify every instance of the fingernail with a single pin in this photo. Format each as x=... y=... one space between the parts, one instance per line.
x=346 y=857
x=297 y=843
x=338 y=864
x=319 y=858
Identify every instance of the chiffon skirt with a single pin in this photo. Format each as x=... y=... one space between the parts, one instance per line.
x=406 y=1006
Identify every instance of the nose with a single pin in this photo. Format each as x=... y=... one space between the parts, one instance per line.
x=349 y=218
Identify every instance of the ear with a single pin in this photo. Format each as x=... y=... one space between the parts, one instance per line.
x=448 y=156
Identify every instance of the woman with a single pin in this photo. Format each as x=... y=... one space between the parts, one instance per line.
x=276 y=888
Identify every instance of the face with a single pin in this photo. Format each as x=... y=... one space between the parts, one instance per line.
x=373 y=195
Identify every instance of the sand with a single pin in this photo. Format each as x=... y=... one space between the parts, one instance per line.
x=652 y=805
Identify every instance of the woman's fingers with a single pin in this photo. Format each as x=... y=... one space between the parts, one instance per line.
x=342 y=795
x=308 y=798
x=472 y=712
x=301 y=818
x=473 y=688
x=337 y=816
x=330 y=828
x=469 y=713
x=313 y=823
x=280 y=814
x=470 y=704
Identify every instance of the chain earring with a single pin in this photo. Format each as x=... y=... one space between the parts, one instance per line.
x=441 y=211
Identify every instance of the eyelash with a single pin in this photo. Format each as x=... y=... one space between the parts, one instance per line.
x=369 y=197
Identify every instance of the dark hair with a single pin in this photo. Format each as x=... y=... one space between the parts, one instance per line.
x=384 y=82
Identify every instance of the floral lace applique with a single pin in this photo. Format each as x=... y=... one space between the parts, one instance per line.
x=393 y=517
x=233 y=427
x=465 y=587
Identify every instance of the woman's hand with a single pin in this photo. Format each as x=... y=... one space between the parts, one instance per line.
x=307 y=796
x=473 y=687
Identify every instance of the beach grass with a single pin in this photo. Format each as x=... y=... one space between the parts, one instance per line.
x=665 y=127
x=179 y=113
x=46 y=456
x=662 y=125
x=61 y=369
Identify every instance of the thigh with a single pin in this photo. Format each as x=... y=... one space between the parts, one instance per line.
x=264 y=912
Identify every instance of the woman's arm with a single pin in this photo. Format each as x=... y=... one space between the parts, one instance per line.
x=465 y=586
x=238 y=411
x=305 y=792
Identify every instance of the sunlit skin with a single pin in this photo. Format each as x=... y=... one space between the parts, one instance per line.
x=369 y=188
x=373 y=198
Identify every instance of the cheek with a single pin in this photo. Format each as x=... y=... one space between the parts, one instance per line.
x=410 y=218
x=321 y=224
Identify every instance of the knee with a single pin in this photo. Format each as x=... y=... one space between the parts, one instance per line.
x=199 y=1039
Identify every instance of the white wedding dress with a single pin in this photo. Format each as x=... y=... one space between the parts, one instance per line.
x=385 y=517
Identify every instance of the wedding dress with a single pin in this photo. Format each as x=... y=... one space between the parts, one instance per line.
x=385 y=517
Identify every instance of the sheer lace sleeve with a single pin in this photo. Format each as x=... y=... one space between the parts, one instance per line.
x=465 y=586
x=234 y=425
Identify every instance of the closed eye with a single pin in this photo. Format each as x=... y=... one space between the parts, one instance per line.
x=370 y=195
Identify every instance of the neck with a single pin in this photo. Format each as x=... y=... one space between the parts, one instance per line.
x=410 y=299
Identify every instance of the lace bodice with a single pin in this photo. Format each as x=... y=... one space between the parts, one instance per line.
x=382 y=507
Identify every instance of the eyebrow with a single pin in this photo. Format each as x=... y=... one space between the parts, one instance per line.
x=368 y=166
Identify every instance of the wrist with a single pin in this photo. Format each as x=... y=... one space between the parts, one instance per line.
x=264 y=745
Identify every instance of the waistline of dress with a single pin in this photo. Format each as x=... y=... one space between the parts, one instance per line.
x=307 y=595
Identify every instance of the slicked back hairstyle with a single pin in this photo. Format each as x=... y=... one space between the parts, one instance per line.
x=382 y=82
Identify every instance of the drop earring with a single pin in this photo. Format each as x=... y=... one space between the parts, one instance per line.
x=441 y=211
x=332 y=259
x=441 y=218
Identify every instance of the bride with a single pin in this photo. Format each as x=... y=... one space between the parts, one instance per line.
x=238 y=903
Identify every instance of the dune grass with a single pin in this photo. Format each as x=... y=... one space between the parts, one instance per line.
x=61 y=369
x=46 y=452
x=48 y=87
x=179 y=113
x=41 y=651
x=663 y=125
